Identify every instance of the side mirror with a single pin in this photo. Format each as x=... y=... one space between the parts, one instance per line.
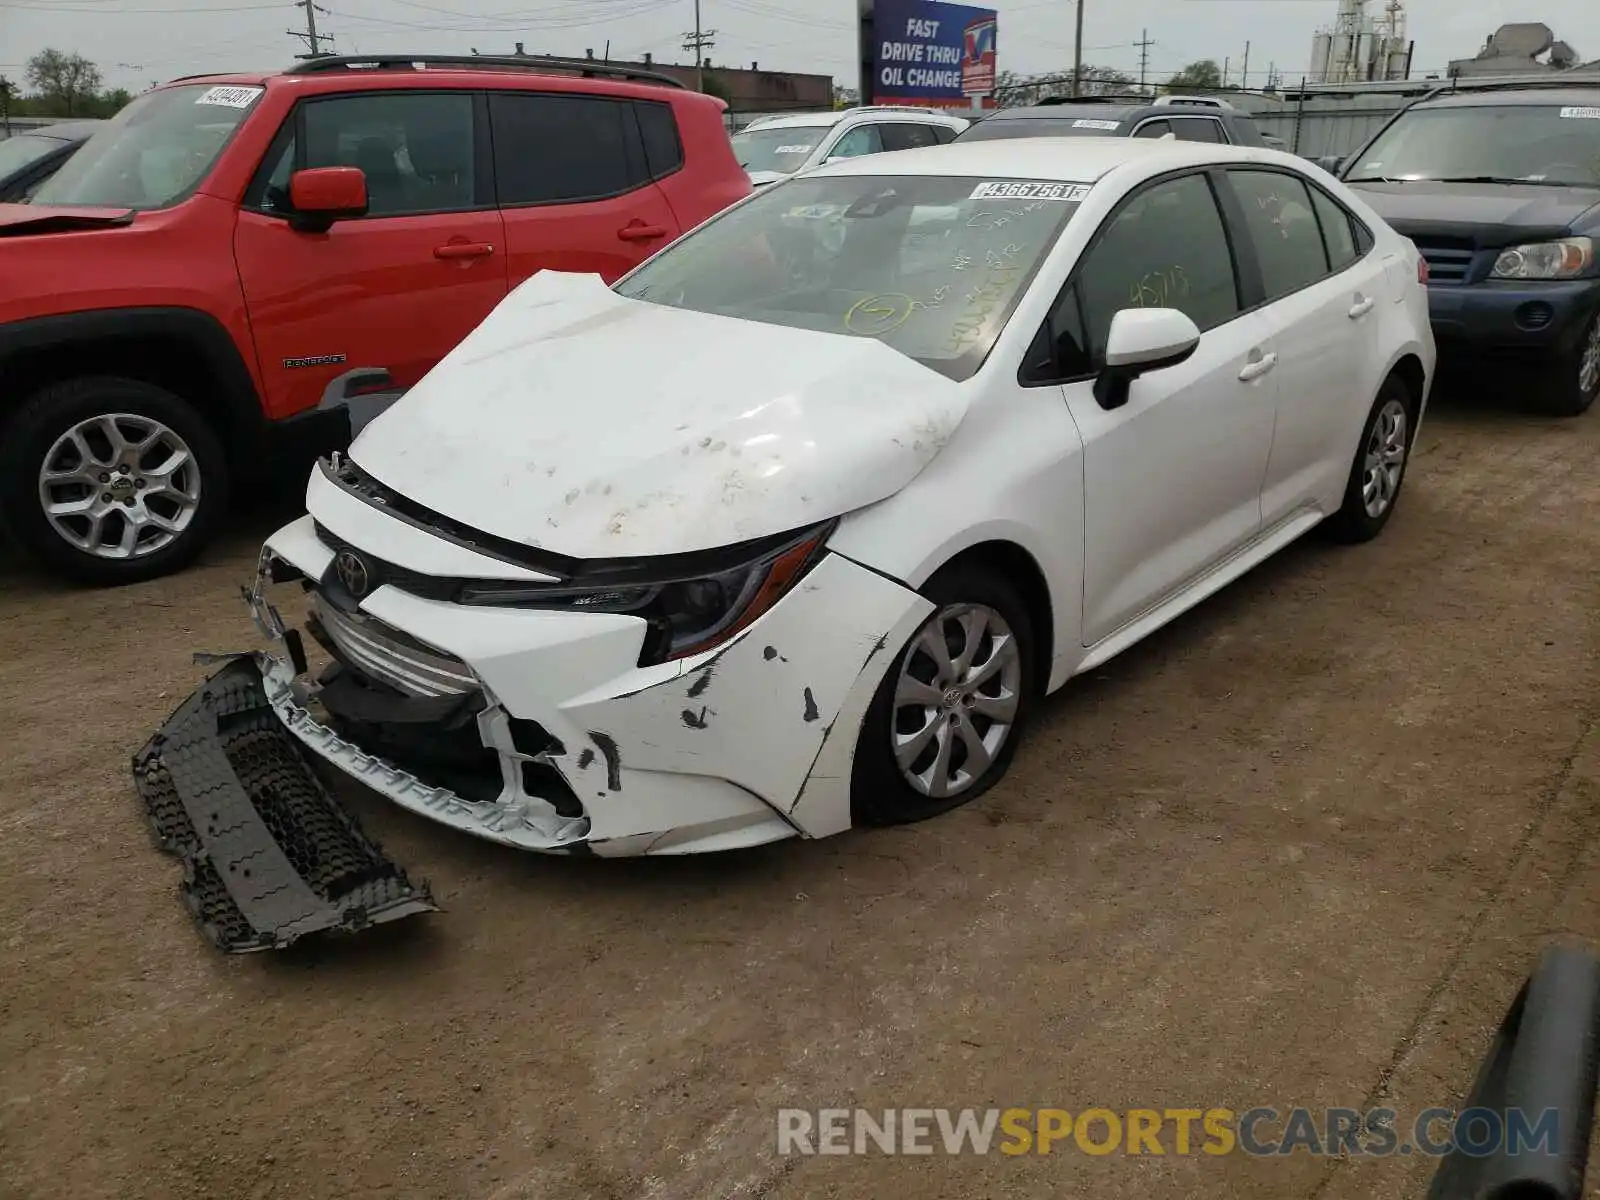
x=1142 y=340
x=1331 y=163
x=323 y=195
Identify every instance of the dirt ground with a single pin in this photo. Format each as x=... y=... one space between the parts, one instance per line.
x=1299 y=848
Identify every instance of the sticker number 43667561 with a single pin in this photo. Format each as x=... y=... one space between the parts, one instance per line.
x=230 y=97
x=1581 y=114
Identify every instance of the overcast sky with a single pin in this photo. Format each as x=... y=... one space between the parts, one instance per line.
x=138 y=41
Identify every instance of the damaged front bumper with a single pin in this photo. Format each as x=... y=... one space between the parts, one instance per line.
x=268 y=855
x=568 y=744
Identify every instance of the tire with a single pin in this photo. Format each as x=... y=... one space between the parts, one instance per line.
x=880 y=792
x=178 y=510
x=1356 y=521
x=1574 y=381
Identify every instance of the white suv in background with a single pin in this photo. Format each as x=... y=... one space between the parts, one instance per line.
x=774 y=148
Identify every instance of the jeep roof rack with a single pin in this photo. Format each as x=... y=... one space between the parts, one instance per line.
x=1191 y=102
x=535 y=63
x=1107 y=98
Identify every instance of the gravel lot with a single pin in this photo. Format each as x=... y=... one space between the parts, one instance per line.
x=1298 y=848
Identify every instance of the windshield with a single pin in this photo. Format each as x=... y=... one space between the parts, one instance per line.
x=24 y=150
x=930 y=266
x=1520 y=143
x=154 y=152
x=782 y=150
x=1021 y=127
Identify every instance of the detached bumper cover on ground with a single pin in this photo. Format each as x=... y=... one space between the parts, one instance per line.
x=268 y=855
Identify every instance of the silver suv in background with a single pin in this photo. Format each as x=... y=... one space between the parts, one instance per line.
x=774 y=148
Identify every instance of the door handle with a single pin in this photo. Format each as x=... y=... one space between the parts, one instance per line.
x=638 y=231
x=1258 y=366
x=1361 y=307
x=463 y=250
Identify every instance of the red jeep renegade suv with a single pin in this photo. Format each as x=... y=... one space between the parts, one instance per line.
x=241 y=256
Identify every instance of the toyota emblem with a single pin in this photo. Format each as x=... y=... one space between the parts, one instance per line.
x=352 y=571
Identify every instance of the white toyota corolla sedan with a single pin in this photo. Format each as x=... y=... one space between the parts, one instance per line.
x=789 y=529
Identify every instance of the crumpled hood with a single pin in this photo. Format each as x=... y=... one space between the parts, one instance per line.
x=1492 y=215
x=594 y=426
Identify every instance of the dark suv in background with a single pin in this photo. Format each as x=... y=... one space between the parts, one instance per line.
x=1500 y=190
x=1187 y=118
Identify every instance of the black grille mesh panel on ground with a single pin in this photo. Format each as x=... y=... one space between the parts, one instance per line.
x=269 y=856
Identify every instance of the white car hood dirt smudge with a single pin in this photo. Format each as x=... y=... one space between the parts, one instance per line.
x=580 y=422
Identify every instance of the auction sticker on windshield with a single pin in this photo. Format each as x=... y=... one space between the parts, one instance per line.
x=1581 y=114
x=230 y=97
x=1085 y=123
x=795 y=149
x=1066 y=193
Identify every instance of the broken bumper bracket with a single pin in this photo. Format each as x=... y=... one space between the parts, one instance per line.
x=268 y=854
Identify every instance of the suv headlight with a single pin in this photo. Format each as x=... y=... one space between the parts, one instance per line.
x=691 y=602
x=1564 y=259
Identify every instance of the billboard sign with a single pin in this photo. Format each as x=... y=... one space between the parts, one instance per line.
x=977 y=58
x=932 y=54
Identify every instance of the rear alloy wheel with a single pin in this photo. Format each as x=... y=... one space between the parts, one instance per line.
x=1574 y=382
x=1379 y=469
x=946 y=719
x=111 y=481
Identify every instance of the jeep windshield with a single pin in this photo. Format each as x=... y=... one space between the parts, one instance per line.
x=930 y=266
x=154 y=152
x=1552 y=144
x=783 y=150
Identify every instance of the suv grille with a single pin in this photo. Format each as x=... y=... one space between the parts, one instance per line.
x=1448 y=261
x=382 y=652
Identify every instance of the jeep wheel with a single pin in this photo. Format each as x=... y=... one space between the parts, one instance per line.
x=111 y=481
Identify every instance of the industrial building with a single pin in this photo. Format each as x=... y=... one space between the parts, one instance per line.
x=1359 y=46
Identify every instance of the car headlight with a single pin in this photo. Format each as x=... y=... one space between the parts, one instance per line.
x=690 y=602
x=1564 y=259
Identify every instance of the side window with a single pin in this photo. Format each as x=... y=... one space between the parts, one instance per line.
x=663 y=151
x=554 y=149
x=863 y=139
x=1166 y=248
x=1197 y=129
x=907 y=137
x=1364 y=239
x=1061 y=350
x=1337 y=232
x=1153 y=129
x=1283 y=226
x=943 y=134
x=415 y=150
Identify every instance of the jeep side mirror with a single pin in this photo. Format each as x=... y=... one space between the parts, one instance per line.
x=1142 y=340
x=322 y=195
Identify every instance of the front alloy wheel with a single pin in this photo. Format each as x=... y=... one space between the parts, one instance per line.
x=119 y=486
x=948 y=713
x=109 y=480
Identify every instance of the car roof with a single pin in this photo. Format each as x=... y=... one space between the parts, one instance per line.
x=825 y=120
x=1067 y=112
x=1498 y=97
x=61 y=131
x=1064 y=159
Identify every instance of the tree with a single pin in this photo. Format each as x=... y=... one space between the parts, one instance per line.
x=844 y=97
x=1203 y=75
x=1016 y=91
x=68 y=84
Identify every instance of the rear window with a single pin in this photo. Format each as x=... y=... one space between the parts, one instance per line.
x=662 y=149
x=783 y=149
x=24 y=150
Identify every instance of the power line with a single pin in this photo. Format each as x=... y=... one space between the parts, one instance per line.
x=310 y=37
x=1144 y=43
x=699 y=41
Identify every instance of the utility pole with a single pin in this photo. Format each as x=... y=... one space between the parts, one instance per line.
x=1244 y=71
x=5 y=103
x=309 y=35
x=1144 y=43
x=699 y=41
x=1077 y=54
